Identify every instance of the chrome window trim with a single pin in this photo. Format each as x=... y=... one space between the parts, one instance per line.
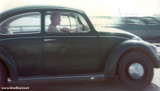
x=22 y=15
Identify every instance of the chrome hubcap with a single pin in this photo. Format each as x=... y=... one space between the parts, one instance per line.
x=136 y=71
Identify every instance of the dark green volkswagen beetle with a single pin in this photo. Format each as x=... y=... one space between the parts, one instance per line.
x=31 y=50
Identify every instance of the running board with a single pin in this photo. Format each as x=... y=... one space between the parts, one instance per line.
x=66 y=77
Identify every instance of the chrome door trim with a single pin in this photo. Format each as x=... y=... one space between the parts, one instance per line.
x=87 y=76
x=49 y=40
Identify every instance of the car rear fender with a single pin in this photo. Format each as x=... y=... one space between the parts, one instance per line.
x=9 y=63
x=126 y=46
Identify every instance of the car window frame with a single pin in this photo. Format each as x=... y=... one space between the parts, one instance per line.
x=91 y=32
x=19 y=14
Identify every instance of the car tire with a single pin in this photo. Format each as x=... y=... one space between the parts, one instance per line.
x=135 y=70
x=3 y=76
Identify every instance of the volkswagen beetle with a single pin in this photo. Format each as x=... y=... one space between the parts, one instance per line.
x=29 y=52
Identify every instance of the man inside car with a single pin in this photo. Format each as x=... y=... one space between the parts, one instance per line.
x=55 y=20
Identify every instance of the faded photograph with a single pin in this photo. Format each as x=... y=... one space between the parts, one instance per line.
x=85 y=45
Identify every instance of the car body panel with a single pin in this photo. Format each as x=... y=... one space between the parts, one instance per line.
x=126 y=46
x=27 y=53
x=71 y=54
x=9 y=62
x=112 y=51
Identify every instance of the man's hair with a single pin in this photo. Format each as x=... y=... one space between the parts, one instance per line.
x=54 y=15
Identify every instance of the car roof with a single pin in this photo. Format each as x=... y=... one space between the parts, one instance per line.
x=38 y=8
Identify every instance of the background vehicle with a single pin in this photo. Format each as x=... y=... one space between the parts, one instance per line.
x=28 y=52
x=148 y=28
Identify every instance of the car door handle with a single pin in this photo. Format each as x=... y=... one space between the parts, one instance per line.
x=49 y=40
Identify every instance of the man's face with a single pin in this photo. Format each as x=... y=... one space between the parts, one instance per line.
x=56 y=19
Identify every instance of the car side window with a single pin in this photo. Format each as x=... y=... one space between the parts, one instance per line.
x=65 y=22
x=26 y=23
x=133 y=21
x=84 y=27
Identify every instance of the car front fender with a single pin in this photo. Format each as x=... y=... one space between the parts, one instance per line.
x=124 y=47
x=10 y=64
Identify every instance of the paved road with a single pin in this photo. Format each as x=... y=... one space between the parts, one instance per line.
x=84 y=85
x=156 y=78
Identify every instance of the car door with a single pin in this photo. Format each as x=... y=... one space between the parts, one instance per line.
x=70 y=53
x=21 y=37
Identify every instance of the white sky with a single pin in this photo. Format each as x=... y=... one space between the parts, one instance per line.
x=94 y=7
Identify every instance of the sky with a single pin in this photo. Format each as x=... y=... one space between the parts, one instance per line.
x=94 y=7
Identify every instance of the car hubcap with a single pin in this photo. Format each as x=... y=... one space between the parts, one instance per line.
x=136 y=71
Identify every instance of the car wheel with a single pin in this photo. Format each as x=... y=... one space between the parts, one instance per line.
x=3 y=76
x=135 y=70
